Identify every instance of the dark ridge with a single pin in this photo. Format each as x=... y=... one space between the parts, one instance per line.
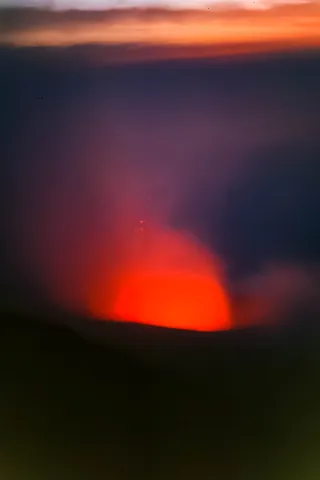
x=73 y=408
x=145 y=346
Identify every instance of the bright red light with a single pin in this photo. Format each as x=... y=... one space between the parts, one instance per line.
x=174 y=284
x=184 y=301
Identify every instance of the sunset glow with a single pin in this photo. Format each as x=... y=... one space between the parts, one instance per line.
x=236 y=27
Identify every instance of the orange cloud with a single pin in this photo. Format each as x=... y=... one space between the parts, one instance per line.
x=206 y=33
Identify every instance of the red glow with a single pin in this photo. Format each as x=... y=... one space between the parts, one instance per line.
x=173 y=283
x=183 y=301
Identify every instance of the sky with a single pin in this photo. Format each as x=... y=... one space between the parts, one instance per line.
x=109 y=4
x=166 y=32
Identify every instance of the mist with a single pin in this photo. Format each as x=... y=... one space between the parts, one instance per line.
x=97 y=150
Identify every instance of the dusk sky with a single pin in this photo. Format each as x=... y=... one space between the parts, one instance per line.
x=217 y=28
x=105 y=4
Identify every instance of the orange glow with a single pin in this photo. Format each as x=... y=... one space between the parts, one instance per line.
x=183 y=301
x=171 y=281
x=174 y=33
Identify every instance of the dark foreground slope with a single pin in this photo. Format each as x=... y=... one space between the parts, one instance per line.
x=75 y=409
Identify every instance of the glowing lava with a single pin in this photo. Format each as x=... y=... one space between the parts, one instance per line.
x=183 y=301
x=173 y=283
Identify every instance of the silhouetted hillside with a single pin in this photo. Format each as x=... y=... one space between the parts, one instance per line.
x=75 y=408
